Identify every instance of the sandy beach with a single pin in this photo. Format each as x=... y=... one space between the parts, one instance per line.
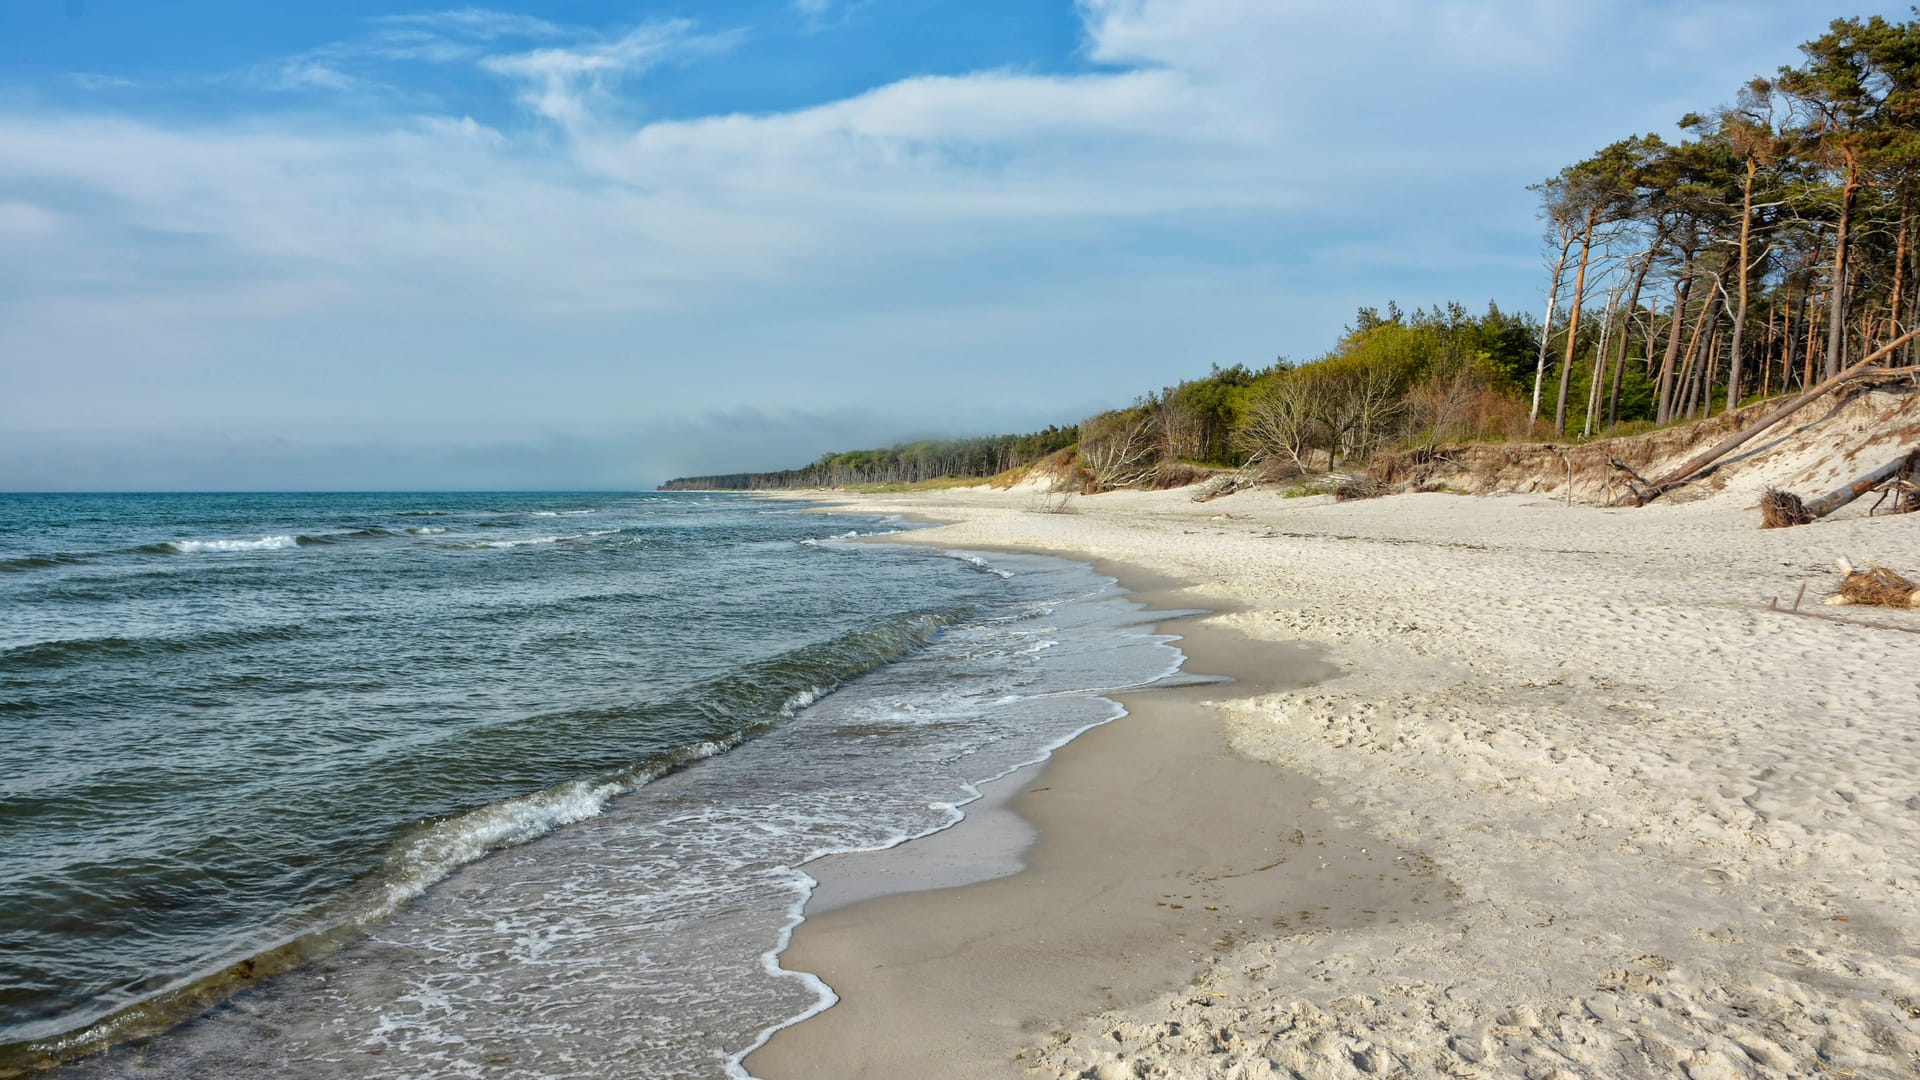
x=1503 y=787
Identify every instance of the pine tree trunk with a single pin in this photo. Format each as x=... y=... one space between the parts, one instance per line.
x=1837 y=302
x=1691 y=360
x=1787 y=329
x=1597 y=381
x=1813 y=324
x=1546 y=329
x=1681 y=289
x=1573 y=324
x=1626 y=337
x=1740 y=313
x=1766 y=352
x=1899 y=271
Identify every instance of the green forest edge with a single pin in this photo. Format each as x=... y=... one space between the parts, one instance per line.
x=1746 y=260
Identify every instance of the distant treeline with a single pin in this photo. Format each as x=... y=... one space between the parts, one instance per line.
x=907 y=463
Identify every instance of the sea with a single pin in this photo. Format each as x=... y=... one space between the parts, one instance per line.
x=459 y=785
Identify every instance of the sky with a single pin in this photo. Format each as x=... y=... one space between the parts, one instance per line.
x=381 y=245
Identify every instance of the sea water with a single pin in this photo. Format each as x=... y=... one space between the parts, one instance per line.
x=458 y=785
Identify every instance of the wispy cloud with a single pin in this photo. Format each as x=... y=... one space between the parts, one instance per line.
x=558 y=81
x=306 y=73
x=825 y=14
x=477 y=23
x=464 y=35
x=88 y=80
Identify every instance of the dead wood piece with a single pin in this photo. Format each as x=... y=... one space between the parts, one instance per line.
x=1774 y=605
x=1841 y=496
x=1358 y=487
x=1904 y=492
x=1782 y=509
x=1875 y=586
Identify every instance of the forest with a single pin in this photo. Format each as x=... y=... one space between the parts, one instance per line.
x=1750 y=255
x=909 y=463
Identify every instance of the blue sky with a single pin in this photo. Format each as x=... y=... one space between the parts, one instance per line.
x=357 y=244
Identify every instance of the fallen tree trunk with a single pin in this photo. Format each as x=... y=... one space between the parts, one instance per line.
x=1839 y=497
x=1721 y=449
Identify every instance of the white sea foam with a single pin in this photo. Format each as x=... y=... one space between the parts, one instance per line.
x=824 y=995
x=535 y=540
x=430 y=530
x=447 y=845
x=459 y=840
x=838 y=538
x=980 y=564
x=265 y=543
x=800 y=701
x=562 y=513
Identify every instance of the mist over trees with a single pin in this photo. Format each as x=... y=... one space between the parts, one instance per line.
x=1750 y=255
x=908 y=463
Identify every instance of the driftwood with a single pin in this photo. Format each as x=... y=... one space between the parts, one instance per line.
x=1700 y=461
x=1782 y=509
x=1841 y=496
x=1875 y=586
x=1774 y=605
x=1904 y=493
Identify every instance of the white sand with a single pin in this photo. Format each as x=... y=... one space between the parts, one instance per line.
x=1682 y=832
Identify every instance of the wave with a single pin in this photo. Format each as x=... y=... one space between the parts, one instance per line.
x=277 y=542
x=436 y=850
x=421 y=513
x=850 y=534
x=215 y=546
x=23 y=563
x=55 y=653
x=371 y=532
x=562 y=513
x=532 y=541
x=979 y=564
x=759 y=697
x=197 y=547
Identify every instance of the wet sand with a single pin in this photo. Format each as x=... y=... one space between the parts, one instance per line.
x=1158 y=849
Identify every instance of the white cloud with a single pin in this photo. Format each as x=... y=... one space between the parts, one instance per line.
x=307 y=74
x=1224 y=162
x=559 y=81
x=480 y=23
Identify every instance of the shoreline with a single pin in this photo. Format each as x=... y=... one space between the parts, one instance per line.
x=851 y=876
x=1261 y=871
x=1674 y=831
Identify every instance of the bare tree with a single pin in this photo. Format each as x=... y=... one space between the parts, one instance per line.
x=1121 y=449
x=1282 y=421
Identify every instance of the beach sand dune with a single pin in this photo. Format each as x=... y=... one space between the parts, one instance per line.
x=1659 y=830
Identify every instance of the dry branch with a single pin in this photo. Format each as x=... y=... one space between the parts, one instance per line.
x=1733 y=442
x=1904 y=493
x=1875 y=586
x=1774 y=605
x=1782 y=509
